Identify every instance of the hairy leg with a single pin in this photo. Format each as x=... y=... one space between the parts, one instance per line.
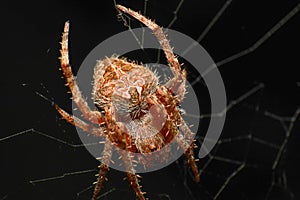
x=176 y=84
x=134 y=182
x=181 y=140
x=187 y=134
x=92 y=116
x=192 y=162
x=161 y=37
x=189 y=153
x=103 y=168
x=96 y=131
x=132 y=177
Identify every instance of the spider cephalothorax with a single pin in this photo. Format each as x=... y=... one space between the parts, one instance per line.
x=134 y=112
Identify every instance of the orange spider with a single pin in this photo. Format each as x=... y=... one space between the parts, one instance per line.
x=125 y=89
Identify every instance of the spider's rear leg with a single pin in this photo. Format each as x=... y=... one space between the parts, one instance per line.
x=178 y=86
x=134 y=182
x=190 y=157
x=132 y=177
x=189 y=149
x=103 y=168
x=192 y=162
x=92 y=116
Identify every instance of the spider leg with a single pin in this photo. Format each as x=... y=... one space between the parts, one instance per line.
x=103 y=168
x=176 y=84
x=181 y=139
x=161 y=37
x=134 y=182
x=189 y=149
x=190 y=156
x=132 y=177
x=192 y=162
x=96 y=131
x=92 y=116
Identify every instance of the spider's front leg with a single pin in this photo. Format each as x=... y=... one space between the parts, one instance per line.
x=92 y=116
x=176 y=84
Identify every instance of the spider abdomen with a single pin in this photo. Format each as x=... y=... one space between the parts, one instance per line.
x=117 y=78
x=133 y=102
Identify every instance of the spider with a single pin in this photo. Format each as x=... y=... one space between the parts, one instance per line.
x=124 y=89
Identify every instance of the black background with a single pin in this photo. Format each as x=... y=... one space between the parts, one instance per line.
x=30 y=34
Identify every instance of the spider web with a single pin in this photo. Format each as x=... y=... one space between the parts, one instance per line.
x=256 y=156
